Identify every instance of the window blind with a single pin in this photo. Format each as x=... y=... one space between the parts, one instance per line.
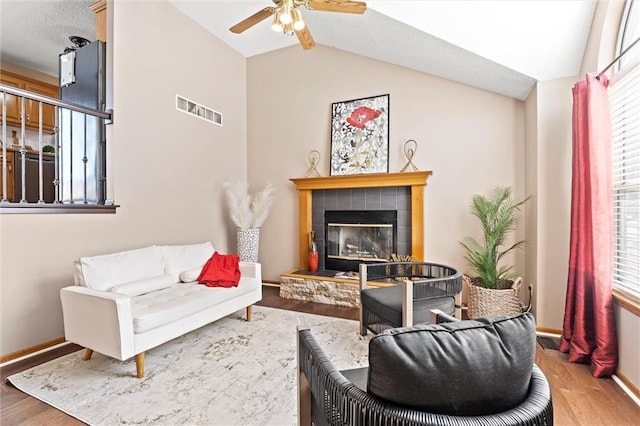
x=624 y=97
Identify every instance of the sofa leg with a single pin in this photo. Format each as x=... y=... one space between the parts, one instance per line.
x=249 y=312
x=87 y=354
x=140 y=365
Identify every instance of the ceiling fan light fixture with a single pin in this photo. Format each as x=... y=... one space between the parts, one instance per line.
x=298 y=22
x=288 y=29
x=276 y=25
x=285 y=13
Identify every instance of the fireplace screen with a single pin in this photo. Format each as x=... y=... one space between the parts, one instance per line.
x=353 y=237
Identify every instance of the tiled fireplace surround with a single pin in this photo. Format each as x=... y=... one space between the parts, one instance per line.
x=389 y=191
x=390 y=198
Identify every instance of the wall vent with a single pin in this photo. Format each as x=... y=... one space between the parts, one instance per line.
x=197 y=110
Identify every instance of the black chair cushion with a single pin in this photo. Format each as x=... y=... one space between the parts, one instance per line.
x=465 y=368
x=386 y=302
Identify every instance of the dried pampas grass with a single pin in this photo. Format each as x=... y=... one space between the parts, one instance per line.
x=246 y=211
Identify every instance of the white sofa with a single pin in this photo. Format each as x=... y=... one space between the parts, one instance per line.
x=125 y=303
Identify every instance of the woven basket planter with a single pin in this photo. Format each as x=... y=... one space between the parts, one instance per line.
x=487 y=302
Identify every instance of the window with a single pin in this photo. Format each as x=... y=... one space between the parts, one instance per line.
x=629 y=33
x=624 y=94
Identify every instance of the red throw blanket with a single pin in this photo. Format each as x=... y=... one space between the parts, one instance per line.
x=221 y=270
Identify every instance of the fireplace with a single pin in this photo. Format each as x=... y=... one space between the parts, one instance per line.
x=401 y=192
x=355 y=236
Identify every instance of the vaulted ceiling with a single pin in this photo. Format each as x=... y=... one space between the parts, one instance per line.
x=503 y=46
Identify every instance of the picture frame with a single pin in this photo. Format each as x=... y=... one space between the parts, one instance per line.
x=360 y=136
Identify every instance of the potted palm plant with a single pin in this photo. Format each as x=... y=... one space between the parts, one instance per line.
x=494 y=289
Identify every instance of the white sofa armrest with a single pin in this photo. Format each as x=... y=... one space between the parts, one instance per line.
x=98 y=320
x=251 y=270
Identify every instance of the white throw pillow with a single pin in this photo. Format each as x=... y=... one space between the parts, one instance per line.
x=136 y=288
x=106 y=271
x=78 y=278
x=190 y=275
x=186 y=257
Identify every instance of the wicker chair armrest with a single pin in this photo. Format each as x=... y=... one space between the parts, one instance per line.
x=436 y=316
x=339 y=402
x=362 y=276
x=437 y=287
x=407 y=303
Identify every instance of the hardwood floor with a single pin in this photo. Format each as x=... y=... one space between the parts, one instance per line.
x=578 y=398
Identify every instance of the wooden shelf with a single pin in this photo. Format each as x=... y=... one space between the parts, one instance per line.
x=372 y=180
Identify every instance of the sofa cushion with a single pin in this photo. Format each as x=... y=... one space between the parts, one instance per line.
x=465 y=368
x=106 y=271
x=174 y=303
x=185 y=257
x=136 y=288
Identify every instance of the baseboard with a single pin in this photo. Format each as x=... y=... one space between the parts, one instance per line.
x=627 y=386
x=31 y=350
x=550 y=331
x=271 y=283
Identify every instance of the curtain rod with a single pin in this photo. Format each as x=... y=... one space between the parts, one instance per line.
x=617 y=58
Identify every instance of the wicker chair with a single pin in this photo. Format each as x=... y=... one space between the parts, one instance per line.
x=405 y=294
x=327 y=396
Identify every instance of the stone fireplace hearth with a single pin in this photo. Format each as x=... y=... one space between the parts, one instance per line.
x=380 y=191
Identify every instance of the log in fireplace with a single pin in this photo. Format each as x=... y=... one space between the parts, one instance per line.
x=356 y=236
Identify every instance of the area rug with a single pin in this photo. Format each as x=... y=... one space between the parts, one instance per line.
x=230 y=372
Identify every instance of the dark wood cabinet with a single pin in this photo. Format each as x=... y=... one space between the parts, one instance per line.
x=32 y=108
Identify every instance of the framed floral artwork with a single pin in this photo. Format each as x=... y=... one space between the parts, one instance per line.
x=360 y=136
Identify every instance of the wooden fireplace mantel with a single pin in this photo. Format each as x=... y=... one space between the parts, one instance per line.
x=416 y=180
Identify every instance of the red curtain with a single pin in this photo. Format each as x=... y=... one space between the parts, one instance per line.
x=589 y=329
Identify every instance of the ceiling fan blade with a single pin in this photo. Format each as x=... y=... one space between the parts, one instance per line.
x=304 y=36
x=252 y=20
x=344 y=6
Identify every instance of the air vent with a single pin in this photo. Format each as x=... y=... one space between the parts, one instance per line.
x=197 y=110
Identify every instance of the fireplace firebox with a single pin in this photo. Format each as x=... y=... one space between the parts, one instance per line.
x=356 y=236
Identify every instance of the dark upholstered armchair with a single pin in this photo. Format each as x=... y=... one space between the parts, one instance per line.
x=479 y=372
x=404 y=293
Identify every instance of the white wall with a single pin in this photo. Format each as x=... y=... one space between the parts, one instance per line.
x=549 y=179
x=167 y=167
x=470 y=138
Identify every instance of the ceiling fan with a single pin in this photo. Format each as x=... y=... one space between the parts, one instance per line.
x=287 y=18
